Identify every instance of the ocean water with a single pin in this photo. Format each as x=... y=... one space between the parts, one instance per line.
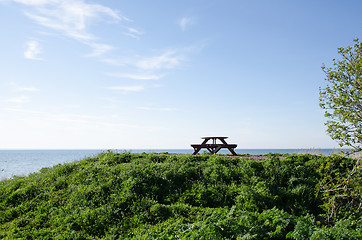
x=24 y=162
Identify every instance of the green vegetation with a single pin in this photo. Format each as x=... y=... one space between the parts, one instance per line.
x=165 y=196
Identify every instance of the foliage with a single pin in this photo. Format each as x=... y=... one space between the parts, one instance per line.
x=340 y=188
x=166 y=196
x=342 y=99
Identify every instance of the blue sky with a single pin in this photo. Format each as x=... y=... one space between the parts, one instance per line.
x=158 y=74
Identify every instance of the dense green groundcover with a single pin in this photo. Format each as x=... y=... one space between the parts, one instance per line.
x=168 y=196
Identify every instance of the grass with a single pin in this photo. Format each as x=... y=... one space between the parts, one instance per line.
x=168 y=196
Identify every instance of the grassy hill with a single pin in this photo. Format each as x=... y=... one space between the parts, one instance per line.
x=167 y=196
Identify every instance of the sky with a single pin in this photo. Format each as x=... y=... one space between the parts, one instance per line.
x=79 y=74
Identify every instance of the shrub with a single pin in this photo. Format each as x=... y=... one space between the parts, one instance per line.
x=165 y=196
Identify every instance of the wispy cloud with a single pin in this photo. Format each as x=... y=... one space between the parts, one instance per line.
x=36 y=2
x=20 y=99
x=113 y=62
x=18 y=88
x=112 y=103
x=21 y=90
x=33 y=50
x=98 y=48
x=69 y=117
x=135 y=88
x=27 y=89
x=185 y=22
x=148 y=68
x=167 y=60
x=22 y=110
x=156 y=109
x=73 y=19
x=69 y=17
x=77 y=120
x=134 y=33
x=95 y=121
x=136 y=76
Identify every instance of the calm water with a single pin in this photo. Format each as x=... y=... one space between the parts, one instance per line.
x=24 y=162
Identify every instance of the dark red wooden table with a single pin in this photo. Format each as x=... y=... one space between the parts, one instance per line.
x=214 y=147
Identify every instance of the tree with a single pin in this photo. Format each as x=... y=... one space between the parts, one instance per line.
x=342 y=98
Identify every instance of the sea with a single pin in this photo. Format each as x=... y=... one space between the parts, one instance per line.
x=24 y=162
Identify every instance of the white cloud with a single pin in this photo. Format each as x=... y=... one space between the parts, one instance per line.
x=33 y=50
x=27 y=89
x=112 y=103
x=136 y=76
x=18 y=88
x=169 y=59
x=156 y=109
x=36 y=2
x=22 y=110
x=113 y=62
x=20 y=99
x=68 y=27
x=149 y=68
x=98 y=49
x=136 y=88
x=134 y=33
x=73 y=19
x=185 y=22
x=94 y=122
x=80 y=118
x=70 y=17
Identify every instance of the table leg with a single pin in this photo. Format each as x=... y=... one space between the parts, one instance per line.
x=196 y=150
x=230 y=149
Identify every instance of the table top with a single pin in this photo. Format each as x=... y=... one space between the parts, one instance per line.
x=214 y=137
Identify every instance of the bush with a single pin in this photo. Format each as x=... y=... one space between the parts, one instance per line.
x=166 y=196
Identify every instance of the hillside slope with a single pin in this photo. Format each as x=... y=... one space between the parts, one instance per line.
x=165 y=196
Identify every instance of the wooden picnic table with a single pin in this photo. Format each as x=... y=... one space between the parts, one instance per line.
x=214 y=147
